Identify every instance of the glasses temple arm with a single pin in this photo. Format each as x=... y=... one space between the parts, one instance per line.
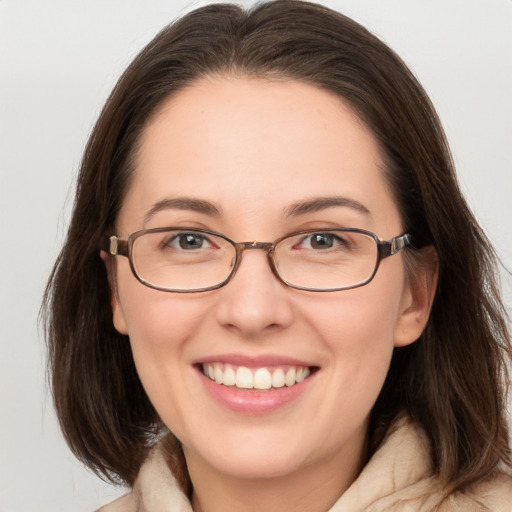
x=113 y=245
x=390 y=247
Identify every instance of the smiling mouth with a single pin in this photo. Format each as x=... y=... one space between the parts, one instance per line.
x=263 y=378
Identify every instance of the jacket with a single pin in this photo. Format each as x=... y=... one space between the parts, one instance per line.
x=397 y=478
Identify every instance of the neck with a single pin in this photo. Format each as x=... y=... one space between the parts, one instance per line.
x=314 y=488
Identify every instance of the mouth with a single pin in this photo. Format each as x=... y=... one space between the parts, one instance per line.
x=255 y=385
x=264 y=378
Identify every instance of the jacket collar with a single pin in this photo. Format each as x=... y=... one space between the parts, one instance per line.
x=400 y=463
x=398 y=477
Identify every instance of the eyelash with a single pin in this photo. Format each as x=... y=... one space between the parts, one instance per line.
x=166 y=243
x=336 y=240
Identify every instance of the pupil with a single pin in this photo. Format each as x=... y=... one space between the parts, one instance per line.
x=190 y=241
x=321 y=241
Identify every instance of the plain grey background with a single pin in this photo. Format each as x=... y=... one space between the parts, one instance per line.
x=58 y=61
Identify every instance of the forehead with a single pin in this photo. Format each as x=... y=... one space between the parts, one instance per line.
x=254 y=145
x=248 y=114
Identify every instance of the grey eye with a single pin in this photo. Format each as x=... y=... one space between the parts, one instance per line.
x=321 y=240
x=187 y=241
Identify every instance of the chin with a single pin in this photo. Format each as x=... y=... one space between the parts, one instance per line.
x=258 y=467
x=252 y=459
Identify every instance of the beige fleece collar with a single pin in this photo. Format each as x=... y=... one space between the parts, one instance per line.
x=397 y=478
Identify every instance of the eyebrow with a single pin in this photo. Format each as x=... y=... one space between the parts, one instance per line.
x=322 y=203
x=183 y=203
x=294 y=210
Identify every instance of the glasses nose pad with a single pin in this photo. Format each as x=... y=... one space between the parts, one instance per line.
x=272 y=263
x=236 y=260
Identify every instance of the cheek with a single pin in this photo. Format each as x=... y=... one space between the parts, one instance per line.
x=357 y=328
x=159 y=326
x=358 y=319
x=154 y=320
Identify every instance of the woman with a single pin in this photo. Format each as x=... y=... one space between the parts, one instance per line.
x=272 y=293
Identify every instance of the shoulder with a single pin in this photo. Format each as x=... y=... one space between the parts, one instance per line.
x=496 y=493
x=155 y=488
x=400 y=477
x=125 y=503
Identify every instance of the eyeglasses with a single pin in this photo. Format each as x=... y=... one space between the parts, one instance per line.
x=196 y=260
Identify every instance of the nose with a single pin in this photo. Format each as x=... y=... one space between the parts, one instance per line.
x=254 y=302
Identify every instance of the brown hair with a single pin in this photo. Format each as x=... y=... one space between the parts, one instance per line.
x=451 y=381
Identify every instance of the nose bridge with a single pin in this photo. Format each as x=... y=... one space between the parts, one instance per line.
x=264 y=246
x=255 y=301
x=240 y=247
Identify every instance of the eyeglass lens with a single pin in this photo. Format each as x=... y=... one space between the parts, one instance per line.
x=194 y=260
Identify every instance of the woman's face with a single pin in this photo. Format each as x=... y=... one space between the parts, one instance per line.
x=252 y=150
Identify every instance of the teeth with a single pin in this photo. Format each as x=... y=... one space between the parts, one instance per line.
x=217 y=372
x=262 y=379
x=244 y=378
x=278 y=378
x=259 y=378
x=229 y=377
x=289 y=378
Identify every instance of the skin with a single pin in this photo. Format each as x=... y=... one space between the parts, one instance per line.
x=253 y=148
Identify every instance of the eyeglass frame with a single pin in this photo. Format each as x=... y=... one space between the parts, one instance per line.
x=116 y=246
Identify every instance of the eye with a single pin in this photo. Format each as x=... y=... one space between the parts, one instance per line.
x=188 y=241
x=322 y=241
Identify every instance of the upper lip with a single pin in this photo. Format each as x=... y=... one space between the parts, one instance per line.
x=254 y=361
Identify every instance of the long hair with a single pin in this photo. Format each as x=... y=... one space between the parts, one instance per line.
x=451 y=381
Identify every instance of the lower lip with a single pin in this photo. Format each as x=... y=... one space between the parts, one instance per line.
x=254 y=402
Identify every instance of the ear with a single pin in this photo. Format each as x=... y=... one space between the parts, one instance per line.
x=118 y=317
x=417 y=297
